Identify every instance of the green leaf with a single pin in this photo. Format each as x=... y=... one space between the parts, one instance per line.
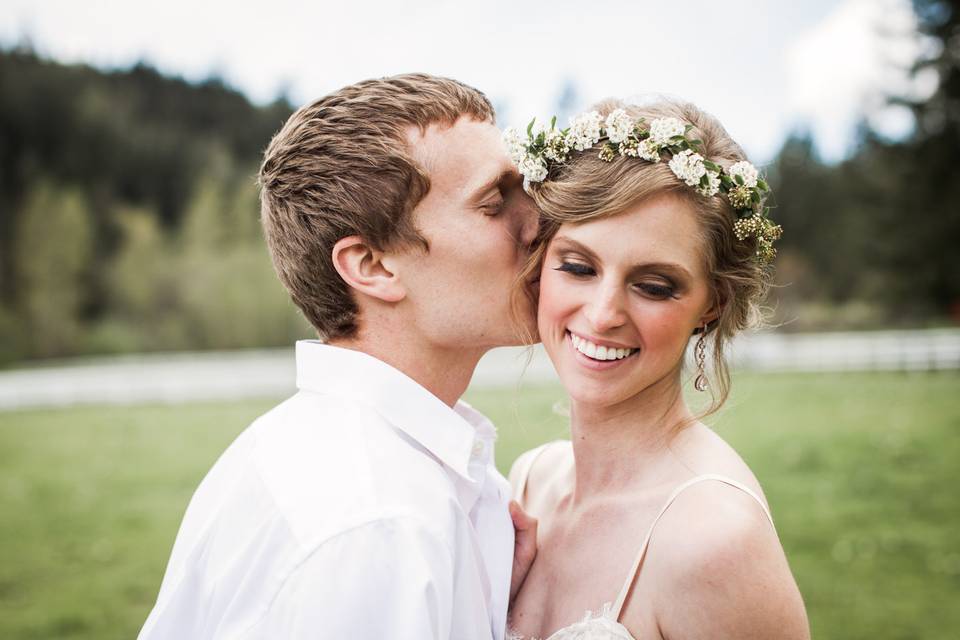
x=530 y=128
x=687 y=128
x=754 y=197
x=704 y=181
x=739 y=179
x=553 y=123
x=762 y=184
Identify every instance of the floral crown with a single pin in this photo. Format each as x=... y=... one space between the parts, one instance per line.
x=622 y=135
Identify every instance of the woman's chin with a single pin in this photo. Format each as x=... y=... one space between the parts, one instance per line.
x=588 y=392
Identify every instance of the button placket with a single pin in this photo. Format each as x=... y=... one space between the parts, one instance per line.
x=476 y=452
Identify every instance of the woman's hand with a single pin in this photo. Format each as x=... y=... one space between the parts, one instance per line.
x=524 y=546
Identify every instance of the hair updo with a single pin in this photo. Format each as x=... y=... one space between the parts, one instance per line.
x=586 y=188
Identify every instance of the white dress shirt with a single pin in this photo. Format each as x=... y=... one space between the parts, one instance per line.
x=362 y=507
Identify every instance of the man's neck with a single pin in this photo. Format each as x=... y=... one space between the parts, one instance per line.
x=444 y=372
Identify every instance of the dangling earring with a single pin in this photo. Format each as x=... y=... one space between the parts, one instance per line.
x=700 y=355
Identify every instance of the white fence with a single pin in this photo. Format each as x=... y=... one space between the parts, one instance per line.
x=930 y=350
x=270 y=373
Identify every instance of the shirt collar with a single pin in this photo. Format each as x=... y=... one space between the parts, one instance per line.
x=447 y=433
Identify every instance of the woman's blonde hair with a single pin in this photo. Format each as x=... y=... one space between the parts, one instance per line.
x=587 y=188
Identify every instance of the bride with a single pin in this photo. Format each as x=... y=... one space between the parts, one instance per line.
x=653 y=230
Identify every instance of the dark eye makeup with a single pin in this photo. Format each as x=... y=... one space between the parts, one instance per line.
x=656 y=290
x=659 y=291
x=576 y=268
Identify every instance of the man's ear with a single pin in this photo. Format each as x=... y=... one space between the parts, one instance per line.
x=362 y=267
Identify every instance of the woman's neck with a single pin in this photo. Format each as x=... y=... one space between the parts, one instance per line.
x=626 y=447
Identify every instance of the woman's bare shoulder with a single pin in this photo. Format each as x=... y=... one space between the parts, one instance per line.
x=716 y=555
x=540 y=465
x=719 y=562
x=703 y=451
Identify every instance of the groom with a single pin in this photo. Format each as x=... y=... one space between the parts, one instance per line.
x=367 y=505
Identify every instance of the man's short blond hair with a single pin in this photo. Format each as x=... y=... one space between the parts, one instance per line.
x=342 y=166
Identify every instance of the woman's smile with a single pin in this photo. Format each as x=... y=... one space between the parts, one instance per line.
x=599 y=354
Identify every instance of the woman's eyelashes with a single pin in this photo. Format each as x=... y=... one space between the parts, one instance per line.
x=655 y=290
x=576 y=268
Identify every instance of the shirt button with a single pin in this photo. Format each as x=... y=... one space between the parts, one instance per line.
x=477 y=450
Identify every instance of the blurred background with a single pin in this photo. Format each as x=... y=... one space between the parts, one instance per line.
x=142 y=327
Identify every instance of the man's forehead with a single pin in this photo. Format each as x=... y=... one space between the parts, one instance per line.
x=468 y=153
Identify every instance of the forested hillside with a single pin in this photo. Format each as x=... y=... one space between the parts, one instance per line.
x=128 y=213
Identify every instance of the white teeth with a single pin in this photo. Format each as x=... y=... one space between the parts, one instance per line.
x=598 y=352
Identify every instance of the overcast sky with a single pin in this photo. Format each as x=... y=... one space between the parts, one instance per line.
x=763 y=67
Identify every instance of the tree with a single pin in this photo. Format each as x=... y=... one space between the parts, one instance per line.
x=53 y=246
x=927 y=224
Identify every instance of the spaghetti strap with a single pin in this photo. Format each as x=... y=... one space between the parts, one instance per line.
x=524 y=473
x=632 y=576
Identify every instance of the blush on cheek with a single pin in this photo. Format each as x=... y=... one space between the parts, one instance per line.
x=548 y=294
x=661 y=326
x=554 y=308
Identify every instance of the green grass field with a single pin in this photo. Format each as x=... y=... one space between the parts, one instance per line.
x=862 y=472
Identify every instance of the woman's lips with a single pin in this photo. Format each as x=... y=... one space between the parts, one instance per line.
x=598 y=357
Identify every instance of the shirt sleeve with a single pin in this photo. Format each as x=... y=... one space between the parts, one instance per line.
x=384 y=579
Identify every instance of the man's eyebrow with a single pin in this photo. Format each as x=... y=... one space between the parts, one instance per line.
x=489 y=185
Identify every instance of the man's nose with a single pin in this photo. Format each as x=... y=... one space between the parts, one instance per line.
x=529 y=223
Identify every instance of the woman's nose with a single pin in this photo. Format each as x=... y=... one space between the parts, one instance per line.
x=605 y=310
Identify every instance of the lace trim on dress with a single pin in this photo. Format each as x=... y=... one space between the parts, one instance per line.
x=601 y=625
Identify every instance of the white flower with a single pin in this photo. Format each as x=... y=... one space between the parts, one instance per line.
x=662 y=129
x=584 y=130
x=688 y=166
x=516 y=146
x=746 y=171
x=619 y=126
x=533 y=168
x=649 y=150
x=556 y=147
x=713 y=184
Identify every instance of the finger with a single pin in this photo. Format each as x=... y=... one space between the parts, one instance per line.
x=521 y=519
